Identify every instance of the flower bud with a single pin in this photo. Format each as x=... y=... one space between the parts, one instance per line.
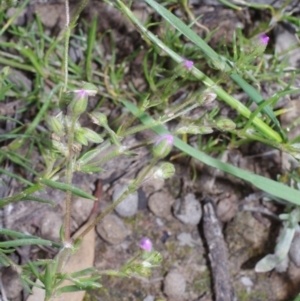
x=91 y=136
x=56 y=126
x=79 y=104
x=98 y=118
x=194 y=129
x=225 y=124
x=164 y=171
x=259 y=44
x=91 y=89
x=163 y=146
x=188 y=64
x=80 y=137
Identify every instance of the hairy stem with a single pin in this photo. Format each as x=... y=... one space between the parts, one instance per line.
x=133 y=187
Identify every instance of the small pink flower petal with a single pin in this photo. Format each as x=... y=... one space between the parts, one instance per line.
x=165 y=137
x=146 y=244
x=264 y=39
x=188 y=64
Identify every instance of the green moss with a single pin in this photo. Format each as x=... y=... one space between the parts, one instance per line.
x=202 y=282
x=243 y=295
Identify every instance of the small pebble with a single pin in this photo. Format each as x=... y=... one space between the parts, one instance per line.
x=159 y=222
x=152 y=184
x=160 y=203
x=81 y=209
x=174 y=285
x=294 y=249
x=112 y=229
x=188 y=211
x=129 y=206
x=50 y=225
x=149 y=298
x=246 y=281
x=186 y=239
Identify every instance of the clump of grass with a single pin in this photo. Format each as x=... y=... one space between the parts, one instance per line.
x=76 y=148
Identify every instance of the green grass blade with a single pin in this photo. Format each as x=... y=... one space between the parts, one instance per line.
x=234 y=103
x=90 y=46
x=214 y=57
x=258 y=99
x=12 y=175
x=25 y=242
x=39 y=200
x=66 y=187
x=274 y=188
x=15 y=234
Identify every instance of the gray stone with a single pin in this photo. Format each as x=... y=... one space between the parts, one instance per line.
x=112 y=229
x=174 y=284
x=129 y=206
x=50 y=225
x=188 y=210
x=160 y=203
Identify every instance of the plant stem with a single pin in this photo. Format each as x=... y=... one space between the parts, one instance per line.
x=67 y=41
x=133 y=187
x=69 y=176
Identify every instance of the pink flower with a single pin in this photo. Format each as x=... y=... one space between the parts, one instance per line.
x=169 y=139
x=264 y=39
x=188 y=64
x=146 y=244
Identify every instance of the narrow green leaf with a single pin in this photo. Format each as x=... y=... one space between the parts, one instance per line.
x=89 y=155
x=66 y=187
x=36 y=199
x=91 y=169
x=25 y=242
x=14 y=176
x=69 y=289
x=258 y=99
x=274 y=188
x=84 y=272
x=25 y=280
x=15 y=234
x=33 y=269
x=90 y=46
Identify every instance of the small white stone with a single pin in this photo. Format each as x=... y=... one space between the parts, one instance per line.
x=129 y=206
x=159 y=222
x=149 y=298
x=246 y=281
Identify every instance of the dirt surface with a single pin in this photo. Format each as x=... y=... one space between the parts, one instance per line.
x=237 y=218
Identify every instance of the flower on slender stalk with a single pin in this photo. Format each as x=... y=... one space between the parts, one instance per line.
x=163 y=146
x=188 y=64
x=78 y=105
x=264 y=39
x=258 y=45
x=146 y=244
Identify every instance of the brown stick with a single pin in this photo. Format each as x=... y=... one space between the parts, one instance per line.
x=223 y=288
